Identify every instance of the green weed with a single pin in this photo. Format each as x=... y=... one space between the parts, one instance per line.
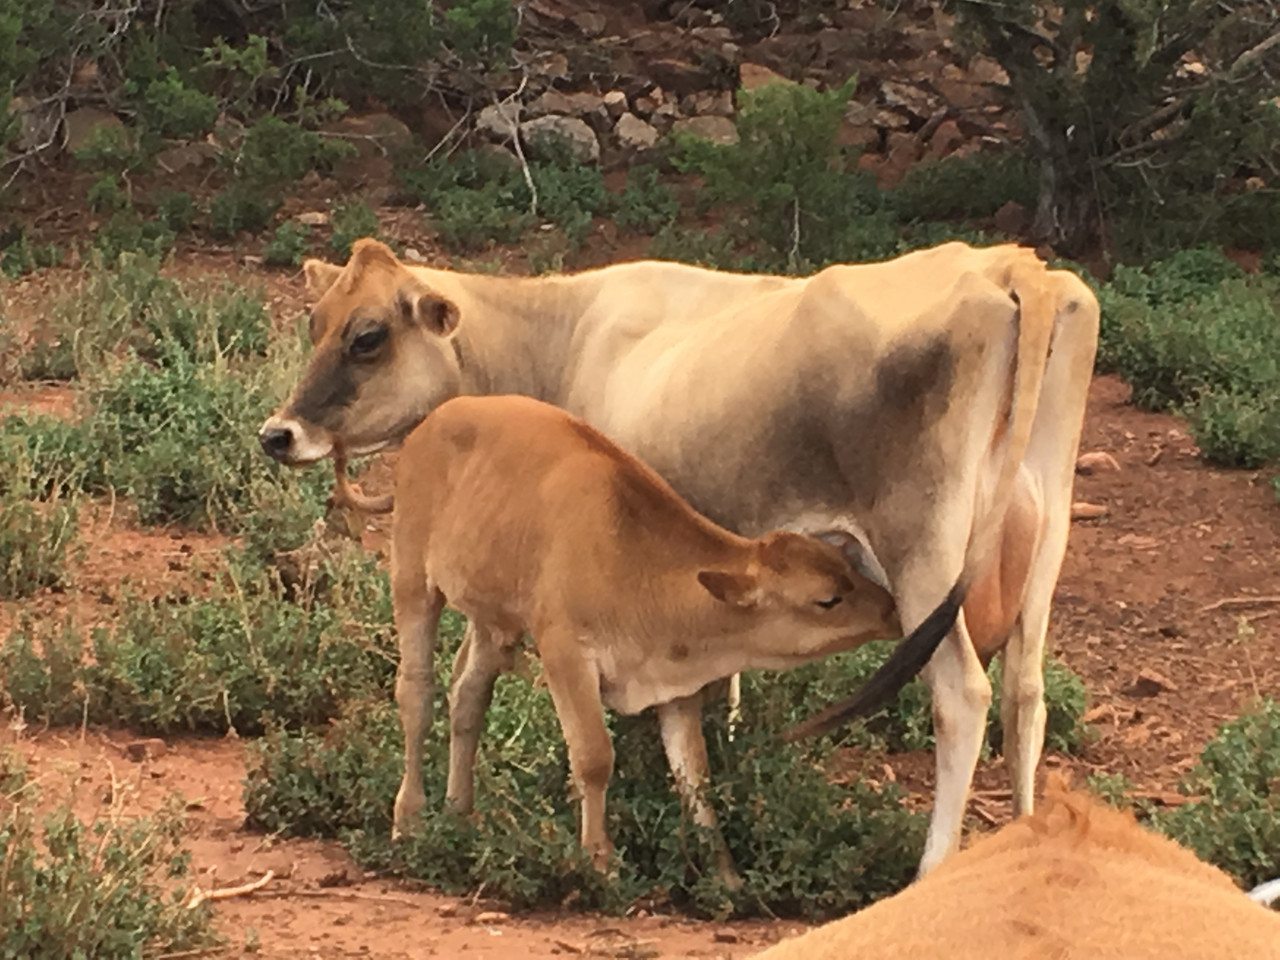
x=288 y=246
x=351 y=221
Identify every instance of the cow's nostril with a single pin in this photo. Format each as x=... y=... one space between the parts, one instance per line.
x=276 y=441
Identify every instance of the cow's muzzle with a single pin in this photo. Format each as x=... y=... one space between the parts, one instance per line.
x=276 y=442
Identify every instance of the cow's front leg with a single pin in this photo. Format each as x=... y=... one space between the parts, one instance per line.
x=575 y=690
x=417 y=609
x=484 y=654
x=681 y=725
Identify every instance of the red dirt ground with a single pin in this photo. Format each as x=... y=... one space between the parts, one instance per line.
x=1174 y=587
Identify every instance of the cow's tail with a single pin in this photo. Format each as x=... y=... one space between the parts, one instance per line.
x=347 y=494
x=1026 y=283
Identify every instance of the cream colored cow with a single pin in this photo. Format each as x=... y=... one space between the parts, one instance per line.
x=927 y=408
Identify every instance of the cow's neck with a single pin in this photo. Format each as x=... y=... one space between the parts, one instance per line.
x=516 y=332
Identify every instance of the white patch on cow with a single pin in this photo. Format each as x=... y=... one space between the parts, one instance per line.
x=307 y=447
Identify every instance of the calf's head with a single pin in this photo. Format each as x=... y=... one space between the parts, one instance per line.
x=384 y=358
x=804 y=596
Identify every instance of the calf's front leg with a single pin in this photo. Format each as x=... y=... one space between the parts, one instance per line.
x=575 y=690
x=681 y=724
x=418 y=607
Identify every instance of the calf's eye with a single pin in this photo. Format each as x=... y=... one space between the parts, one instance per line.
x=829 y=604
x=366 y=343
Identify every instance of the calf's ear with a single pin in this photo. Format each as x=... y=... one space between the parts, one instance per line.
x=320 y=276
x=423 y=306
x=735 y=589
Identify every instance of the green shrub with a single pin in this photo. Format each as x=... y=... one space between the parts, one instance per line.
x=33 y=546
x=128 y=232
x=102 y=889
x=472 y=198
x=43 y=671
x=276 y=151
x=247 y=656
x=288 y=246
x=351 y=221
x=803 y=845
x=794 y=187
x=965 y=187
x=241 y=206
x=177 y=209
x=170 y=108
x=1195 y=335
x=647 y=205
x=1235 y=823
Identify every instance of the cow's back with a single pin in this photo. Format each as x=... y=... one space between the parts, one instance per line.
x=1073 y=882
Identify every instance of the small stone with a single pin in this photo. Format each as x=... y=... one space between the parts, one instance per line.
x=569 y=104
x=186 y=156
x=753 y=76
x=498 y=120
x=945 y=139
x=1081 y=510
x=447 y=911
x=615 y=103
x=725 y=936
x=1011 y=218
x=491 y=916
x=716 y=129
x=634 y=134
x=1096 y=461
x=645 y=106
x=413 y=255
x=313 y=218
x=1149 y=683
x=590 y=22
x=79 y=126
x=138 y=750
x=580 y=137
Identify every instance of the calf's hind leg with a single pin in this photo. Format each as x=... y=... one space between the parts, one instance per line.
x=484 y=654
x=681 y=724
x=575 y=690
x=418 y=607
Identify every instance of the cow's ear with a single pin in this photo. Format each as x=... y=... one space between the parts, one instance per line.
x=858 y=554
x=430 y=310
x=320 y=276
x=735 y=589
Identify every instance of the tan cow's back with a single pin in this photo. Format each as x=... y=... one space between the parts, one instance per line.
x=1074 y=881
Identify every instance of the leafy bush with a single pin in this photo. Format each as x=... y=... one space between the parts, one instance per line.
x=1144 y=117
x=33 y=546
x=1194 y=334
x=803 y=845
x=241 y=207
x=43 y=670
x=791 y=181
x=170 y=108
x=288 y=246
x=646 y=205
x=1235 y=823
x=19 y=255
x=102 y=889
x=965 y=187
x=351 y=221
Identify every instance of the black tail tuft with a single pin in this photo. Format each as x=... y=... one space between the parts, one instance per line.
x=907 y=659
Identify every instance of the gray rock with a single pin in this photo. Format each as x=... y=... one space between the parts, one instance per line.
x=79 y=126
x=499 y=121
x=615 y=103
x=716 y=129
x=634 y=134
x=186 y=156
x=580 y=137
x=372 y=133
x=567 y=104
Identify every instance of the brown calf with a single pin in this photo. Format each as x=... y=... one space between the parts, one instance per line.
x=1074 y=881
x=524 y=518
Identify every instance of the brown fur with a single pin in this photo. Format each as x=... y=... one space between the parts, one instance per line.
x=526 y=519
x=1073 y=881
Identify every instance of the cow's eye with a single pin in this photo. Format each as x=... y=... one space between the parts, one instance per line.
x=829 y=604
x=363 y=344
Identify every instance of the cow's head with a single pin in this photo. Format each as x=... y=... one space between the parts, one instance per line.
x=807 y=591
x=384 y=358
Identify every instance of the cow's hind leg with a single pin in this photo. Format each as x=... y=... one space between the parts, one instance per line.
x=961 y=697
x=574 y=683
x=681 y=725
x=484 y=654
x=417 y=606
x=1022 y=707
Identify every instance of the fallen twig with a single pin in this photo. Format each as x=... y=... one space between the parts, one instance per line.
x=199 y=896
x=1238 y=602
x=345 y=895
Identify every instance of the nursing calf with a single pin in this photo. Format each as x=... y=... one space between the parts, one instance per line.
x=524 y=518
